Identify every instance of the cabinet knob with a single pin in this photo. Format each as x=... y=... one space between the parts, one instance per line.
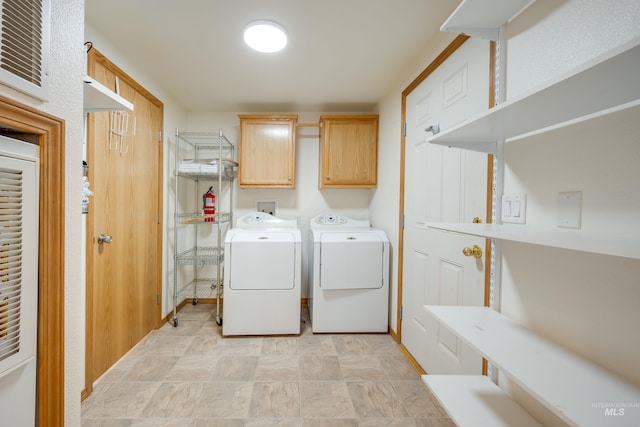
x=475 y=251
x=327 y=177
x=289 y=177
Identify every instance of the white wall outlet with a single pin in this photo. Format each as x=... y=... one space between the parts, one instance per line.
x=514 y=208
x=570 y=209
x=266 y=206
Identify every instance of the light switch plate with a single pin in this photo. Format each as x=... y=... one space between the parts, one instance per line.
x=514 y=208
x=570 y=209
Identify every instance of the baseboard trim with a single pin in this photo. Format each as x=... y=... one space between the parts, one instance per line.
x=411 y=360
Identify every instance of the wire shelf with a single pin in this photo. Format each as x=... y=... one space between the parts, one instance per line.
x=202 y=255
x=199 y=218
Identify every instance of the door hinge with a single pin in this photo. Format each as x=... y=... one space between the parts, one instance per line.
x=158 y=299
x=401 y=309
x=403 y=221
x=160 y=136
x=158 y=219
x=404 y=131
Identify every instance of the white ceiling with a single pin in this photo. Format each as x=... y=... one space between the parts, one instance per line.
x=343 y=55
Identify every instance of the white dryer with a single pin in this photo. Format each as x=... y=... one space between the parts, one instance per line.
x=262 y=278
x=349 y=276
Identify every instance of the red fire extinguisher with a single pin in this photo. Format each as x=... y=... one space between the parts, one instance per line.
x=209 y=205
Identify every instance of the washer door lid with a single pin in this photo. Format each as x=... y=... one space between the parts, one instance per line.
x=351 y=260
x=262 y=260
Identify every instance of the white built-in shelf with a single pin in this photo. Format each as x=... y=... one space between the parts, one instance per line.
x=98 y=97
x=575 y=390
x=604 y=85
x=627 y=246
x=475 y=401
x=483 y=18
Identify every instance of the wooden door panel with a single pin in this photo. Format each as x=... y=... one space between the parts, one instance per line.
x=123 y=276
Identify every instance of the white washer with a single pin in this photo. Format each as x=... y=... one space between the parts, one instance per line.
x=262 y=278
x=349 y=276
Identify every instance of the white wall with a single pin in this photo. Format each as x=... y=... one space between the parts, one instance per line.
x=585 y=302
x=552 y=37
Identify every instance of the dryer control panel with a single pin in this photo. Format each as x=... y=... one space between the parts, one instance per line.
x=339 y=221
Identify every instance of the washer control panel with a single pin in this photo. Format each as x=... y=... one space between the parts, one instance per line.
x=264 y=220
x=331 y=219
x=257 y=218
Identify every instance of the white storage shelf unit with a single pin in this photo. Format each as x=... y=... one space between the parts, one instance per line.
x=98 y=97
x=568 y=386
x=474 y=400
x=604 y=85
x=483 y=18
x=627 y=246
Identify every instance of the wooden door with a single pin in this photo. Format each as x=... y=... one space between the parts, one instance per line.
x=267 y=151
x=443 y=185
x=349 y=151
x=124 y=271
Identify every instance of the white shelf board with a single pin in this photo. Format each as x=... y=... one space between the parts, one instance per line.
x=475 y=401
x=627 y=246
x=574 y=389
x=483 y=18
x=606 y=84
x=98 y=97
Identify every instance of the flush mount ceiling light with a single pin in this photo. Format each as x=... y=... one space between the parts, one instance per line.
x=265 y=36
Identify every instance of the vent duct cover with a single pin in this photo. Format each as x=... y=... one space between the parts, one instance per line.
x=24 y=46
x=18 y=260
x=10 y=261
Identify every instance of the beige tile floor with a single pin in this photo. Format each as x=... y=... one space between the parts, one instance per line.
x=190 y=376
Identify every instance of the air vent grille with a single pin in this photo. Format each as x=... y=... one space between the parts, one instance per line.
x=22 y=39
x=24 y=46
x=10 y=261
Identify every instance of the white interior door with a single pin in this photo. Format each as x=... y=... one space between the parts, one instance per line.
x=443 y=185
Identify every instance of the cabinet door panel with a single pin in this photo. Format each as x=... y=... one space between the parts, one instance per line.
x=349 y=152
x=267 y=152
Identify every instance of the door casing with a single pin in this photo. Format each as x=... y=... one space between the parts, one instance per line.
x=48 y=132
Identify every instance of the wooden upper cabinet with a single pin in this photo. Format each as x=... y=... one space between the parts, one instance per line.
x=348 y=151
x=267 y=151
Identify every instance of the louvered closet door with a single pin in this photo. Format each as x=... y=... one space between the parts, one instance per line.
x=18 y=262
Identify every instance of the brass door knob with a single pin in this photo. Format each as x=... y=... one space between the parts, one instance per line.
x=475 y=251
